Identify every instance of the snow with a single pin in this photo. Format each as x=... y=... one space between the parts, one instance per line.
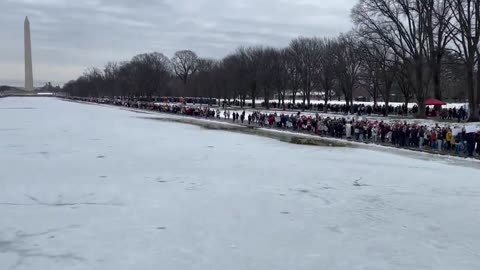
x=94 y=187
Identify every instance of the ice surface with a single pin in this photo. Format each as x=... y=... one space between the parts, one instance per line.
x=91 y=187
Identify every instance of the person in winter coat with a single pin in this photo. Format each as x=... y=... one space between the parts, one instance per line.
x=448 y=139
x=439 y=140
x=452 y=142
x=458 y=143
x=433 y=139
x=357 y=132
x=249 y=119
x=361 y=131
x=421 y=137
x=470 y=138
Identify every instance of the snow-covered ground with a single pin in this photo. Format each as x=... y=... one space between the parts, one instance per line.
x=92 y=187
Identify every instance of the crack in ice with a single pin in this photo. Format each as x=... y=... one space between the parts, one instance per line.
x=17 y=246
x=59 y=203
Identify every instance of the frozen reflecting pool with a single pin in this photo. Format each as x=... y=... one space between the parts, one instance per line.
x=91 y=187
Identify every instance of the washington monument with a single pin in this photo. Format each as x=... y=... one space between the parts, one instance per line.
x=28 y=57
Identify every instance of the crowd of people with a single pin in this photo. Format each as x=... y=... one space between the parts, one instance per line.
x=361 y=109
x=458 y=140
x=400 y=134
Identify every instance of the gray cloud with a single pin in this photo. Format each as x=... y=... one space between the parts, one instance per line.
x=69 y=36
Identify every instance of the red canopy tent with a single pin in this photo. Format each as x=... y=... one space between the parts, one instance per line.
x=434 y=102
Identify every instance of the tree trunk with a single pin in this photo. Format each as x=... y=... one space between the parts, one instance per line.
x=406 y=106
x=308 y=99
x=325 y=102
x=387 y=110
x=253 y=98
x=266 y=99
x=351 y=102
x=347 y=100
x=303 y=103
x=472 y=101
x=419 y=89
x=478 y=81
x=283 y=101
x=437 y=69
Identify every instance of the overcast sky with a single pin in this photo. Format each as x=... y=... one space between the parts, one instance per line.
x=70 y=36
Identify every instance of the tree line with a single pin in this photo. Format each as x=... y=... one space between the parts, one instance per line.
x=415 y=49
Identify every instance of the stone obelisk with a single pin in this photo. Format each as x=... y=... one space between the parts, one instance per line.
x=28 y=57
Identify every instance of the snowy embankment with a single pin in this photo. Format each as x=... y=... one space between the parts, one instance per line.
x=92 y=187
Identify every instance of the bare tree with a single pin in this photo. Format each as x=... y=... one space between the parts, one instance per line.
x=438 y=16
x=249 y=57
x=403 y=80
x=306 y=53
x=293 y=73
x=237 y=77
x=399 y=24
x=326 y=69
x=282 y=78
x=268 y=71
x=348 y=64
x=466 y=39
x=369 y=78
x=385 y=65
x=185 y=64
x=204 y=79
x=111 y=77
x=149 y=73
x=94 y=78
